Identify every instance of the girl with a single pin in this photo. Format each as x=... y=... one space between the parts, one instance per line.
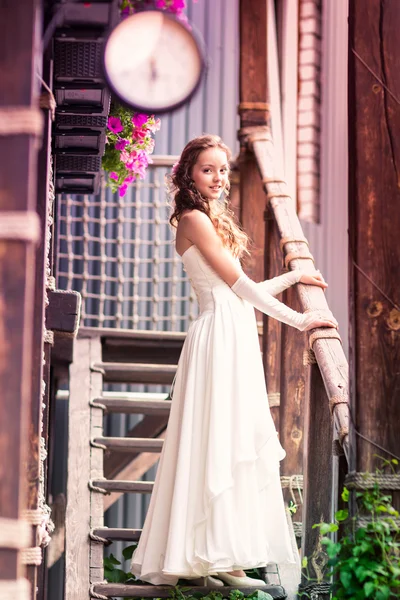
x=217 y=506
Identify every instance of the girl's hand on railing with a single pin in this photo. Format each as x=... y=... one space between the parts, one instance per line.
x=315 y=279
x=321 y=318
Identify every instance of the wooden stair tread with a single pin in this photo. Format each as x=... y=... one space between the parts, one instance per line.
x=140 y=405
x=130 y=444
x=118 y=485
x=136 y=372
x=164 y=591
x=118 y=534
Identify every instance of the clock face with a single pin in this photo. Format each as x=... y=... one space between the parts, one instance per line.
x=153 y=62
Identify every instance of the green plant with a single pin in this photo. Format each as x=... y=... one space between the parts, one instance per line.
x=365 y=561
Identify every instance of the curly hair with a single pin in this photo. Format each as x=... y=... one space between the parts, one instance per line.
x=186 y=196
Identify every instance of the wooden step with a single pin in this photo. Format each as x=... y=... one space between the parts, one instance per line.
x=121 y=590
x=124 y=444
x=135 y=404
x=136 y=372
x=118 y=534
x=118 y=485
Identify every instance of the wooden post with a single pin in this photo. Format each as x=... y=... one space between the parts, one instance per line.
x=21 y=125
x=318 y=479
x=374 y=226
x=253 y=110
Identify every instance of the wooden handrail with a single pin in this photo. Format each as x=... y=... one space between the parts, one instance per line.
x=328 y=350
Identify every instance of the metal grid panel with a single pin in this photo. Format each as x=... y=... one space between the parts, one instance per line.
x=119 y=254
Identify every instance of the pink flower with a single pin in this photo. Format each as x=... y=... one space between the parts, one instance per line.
x=177 y=5
x=153 y=127
x=139 y=134
x=122 y=190
x=113 y=175
x=161 y=4
x=114 y=124
x=129 y=179
x=120 y=144
x=139 y=119
x=125 y=156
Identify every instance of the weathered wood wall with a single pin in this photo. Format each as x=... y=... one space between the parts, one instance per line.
x=18 y=159
x=374 y=224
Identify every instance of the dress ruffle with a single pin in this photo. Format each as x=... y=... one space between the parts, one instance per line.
x=217 y=502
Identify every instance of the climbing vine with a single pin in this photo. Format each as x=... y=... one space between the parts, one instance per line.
x=365 y=561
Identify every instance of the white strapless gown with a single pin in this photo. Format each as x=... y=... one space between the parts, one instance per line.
x=217 y=503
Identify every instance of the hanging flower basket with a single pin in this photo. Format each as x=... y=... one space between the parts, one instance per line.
x=129 y=142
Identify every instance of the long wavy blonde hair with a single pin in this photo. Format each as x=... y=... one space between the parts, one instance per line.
x=186 y=196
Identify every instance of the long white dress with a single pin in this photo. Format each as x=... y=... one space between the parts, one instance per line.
x=217 y=502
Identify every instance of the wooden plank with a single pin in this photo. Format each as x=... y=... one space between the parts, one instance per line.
x=63 y=310
x=253 y=89
x=271 y=339
x=137 y=373
x=132 y=471
x=77 y=518
x=138 y=487
x=108 y=333
x=164 y=591
x=374 y=226
x=96 y=465
x=118 y=534
x=130 y=444
x=18 y=184
x=317 y=474
x=293 y=375
x=132 y=406
x=149 y=427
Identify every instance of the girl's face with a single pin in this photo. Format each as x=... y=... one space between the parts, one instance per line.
x=211 y=172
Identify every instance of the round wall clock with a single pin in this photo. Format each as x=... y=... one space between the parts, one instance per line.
x=152 y=62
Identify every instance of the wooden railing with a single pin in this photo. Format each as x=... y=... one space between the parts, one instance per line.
x=326 y=415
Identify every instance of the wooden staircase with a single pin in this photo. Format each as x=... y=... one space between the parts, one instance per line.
x=112 y=356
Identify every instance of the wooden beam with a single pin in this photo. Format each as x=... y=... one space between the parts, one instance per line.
x=63 y=311
x=318 y=476
x=18 y=189
x=374 y=226
x=253 y=110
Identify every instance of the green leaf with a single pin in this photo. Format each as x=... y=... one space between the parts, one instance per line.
x=345 y=494
x=369 y=588
x=304 y=562
x=341 y=515
x=128 y=551
x=345 y=578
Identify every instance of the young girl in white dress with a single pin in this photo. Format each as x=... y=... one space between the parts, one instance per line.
x=217 y=506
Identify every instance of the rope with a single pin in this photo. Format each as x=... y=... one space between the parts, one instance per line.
x=394 y=524
x=18 y=589
x=31 y=556
x=48 y=337
x=259 y=106
x=96 y=369
x=297 y=528
x=337 y=399
x=20 y=120
x=292 y=481
x=274 y=399
x=294 y=255
x=20 y=225
x=14 y=533
x=365 y=481
x=313 y=591
x=309 y=357
x=94 y=594
x=95 y=488
x=33 y=517
x=97 y=445
x=343 y=431
x=99 y=539
x=94 y=404
x=322 y=334
x=288 y=240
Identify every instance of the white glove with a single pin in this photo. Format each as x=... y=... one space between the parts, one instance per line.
x=278 y=284
x=251 y=291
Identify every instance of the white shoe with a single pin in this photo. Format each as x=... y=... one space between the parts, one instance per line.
x=247 y=581
x=207 y=581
